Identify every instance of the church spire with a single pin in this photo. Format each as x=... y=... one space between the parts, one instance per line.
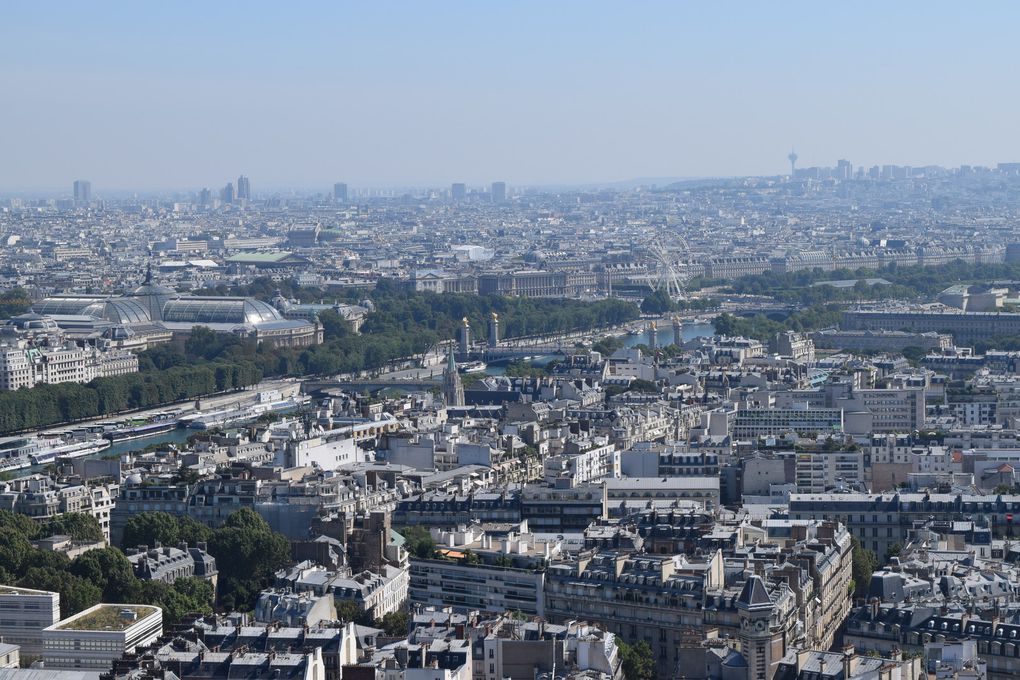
x=453 y=389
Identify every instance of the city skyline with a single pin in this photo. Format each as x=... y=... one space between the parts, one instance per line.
x=533 y=95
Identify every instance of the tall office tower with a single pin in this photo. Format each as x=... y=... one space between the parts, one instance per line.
x=844 y=170
x=227 y=193
x=82 y=191
x=499 y=192
x=205 y=196
x=243 y=188
x=340 y=192
x=458 y=191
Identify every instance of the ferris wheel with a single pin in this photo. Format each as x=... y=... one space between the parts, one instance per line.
x=669 y=267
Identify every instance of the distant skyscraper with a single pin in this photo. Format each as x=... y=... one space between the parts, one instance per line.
x=340 y=192
x=793 y=162
x=243 y=188
x=82 y=191
x=844 y=169
x=499 y=192
x=458 y=191
x=205 y=196
x=227 y=193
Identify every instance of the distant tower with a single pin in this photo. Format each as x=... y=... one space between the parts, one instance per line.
x=453 y=389
x=793 y=162
x=465 y=337
x=243 y=188
x=340 y=192
x=678 y=331
x=82 y=191
x=653 y=332
x=458 y=191
x=227 y=193
x=493 y=330
x=498 y=192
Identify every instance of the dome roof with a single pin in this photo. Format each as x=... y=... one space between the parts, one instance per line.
x=118 y=310
x=219 y=310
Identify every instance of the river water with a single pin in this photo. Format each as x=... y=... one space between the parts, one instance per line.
x=663 y=336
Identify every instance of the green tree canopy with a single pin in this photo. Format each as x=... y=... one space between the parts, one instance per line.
x=864 y=564
x=637 y=659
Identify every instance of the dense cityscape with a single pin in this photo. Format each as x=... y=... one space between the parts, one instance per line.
x=509 y=341
x=740 y=428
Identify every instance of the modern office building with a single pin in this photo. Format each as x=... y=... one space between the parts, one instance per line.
x=340 y=192
x=772 y=422
x=82 y=191
x=458 y=191
x=24 y=614
x=243 y=188
x=498 y=192
x=93 y=639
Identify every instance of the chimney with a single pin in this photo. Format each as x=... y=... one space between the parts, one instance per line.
x=849 y=662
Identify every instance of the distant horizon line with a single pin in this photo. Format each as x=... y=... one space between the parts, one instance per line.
x=327 y=187
x=51 y=192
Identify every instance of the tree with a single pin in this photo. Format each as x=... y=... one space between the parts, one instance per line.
x=418 y=541
x=76 y=593
x=22 y=524
x=110 y=571
x=647 y=386
x=395 y=624
x=333 y=325
x=78 y=525
x=658 y=302
x=14 y=549
x=149 y=528
x=248 y=553
x=347 y=611
x=191 y=531
x=864 y=564
x=638 y=662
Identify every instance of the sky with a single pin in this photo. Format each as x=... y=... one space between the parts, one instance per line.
x=179 y=95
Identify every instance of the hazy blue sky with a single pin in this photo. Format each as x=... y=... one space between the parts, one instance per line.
x=177 y=94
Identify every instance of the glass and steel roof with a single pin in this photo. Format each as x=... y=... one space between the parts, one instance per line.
x=219 y=310
x=118 y=310
x=64 y=305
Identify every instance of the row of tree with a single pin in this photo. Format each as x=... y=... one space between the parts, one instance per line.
x=763 y=328
x=49 y=404
x=904 y=282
